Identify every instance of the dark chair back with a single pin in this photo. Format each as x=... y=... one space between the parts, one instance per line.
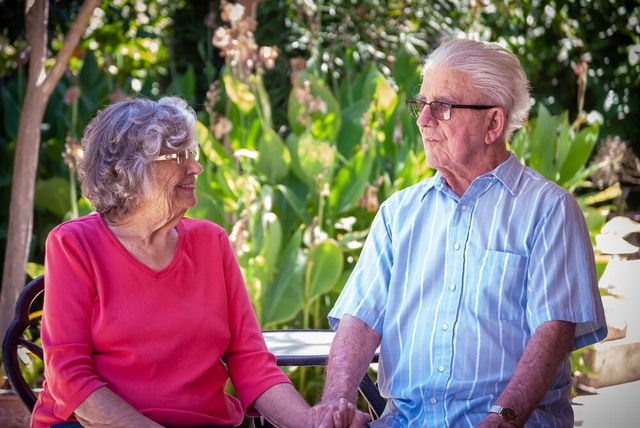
x=15 y=339
x=369 y=391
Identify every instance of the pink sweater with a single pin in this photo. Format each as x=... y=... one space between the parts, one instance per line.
x=167 y=342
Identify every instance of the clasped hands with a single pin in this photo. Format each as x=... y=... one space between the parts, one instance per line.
x=339 y=413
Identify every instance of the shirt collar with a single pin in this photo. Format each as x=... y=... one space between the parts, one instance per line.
x=508 y=173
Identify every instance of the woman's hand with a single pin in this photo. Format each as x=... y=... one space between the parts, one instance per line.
x=336 y=414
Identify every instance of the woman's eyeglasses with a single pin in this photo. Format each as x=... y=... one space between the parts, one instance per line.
x=182 y=157
x=439 y=110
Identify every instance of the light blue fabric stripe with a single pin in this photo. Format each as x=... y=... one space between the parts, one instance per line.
x=456 y=286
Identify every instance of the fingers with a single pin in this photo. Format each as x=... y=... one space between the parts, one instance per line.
x=332 y=414
x=360 y=419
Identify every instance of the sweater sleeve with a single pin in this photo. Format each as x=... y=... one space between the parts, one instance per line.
x=66 y=322
x=252 y=368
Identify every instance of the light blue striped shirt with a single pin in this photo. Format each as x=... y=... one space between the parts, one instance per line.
x=456 y=286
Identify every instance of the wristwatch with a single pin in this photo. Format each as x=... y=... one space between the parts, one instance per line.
x=507 y=414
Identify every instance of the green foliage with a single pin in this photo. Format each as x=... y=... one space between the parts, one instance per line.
x=291 y=200
x=341 y=38
x=561 y=42
x=556 y=148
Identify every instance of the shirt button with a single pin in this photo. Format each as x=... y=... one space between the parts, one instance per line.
x=441 y=368
x=463 y=208
x=445 y=326
x=457 y=246
x=452 y=287
x=433 y=400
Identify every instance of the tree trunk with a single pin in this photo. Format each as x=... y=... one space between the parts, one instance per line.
x=39 y=87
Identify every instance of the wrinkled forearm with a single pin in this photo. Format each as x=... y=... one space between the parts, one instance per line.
x=351 y=353
x=282 y=406
x=547 y=349
x=103 y=408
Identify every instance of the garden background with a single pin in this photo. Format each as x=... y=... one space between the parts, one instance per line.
x=302 y=122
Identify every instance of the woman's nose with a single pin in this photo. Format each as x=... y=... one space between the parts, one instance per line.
x=193 y=166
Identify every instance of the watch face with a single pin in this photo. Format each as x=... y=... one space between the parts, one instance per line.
x=509 y=415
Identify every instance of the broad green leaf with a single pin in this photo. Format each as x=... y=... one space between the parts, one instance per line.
x=543 y=143
x=212 y=149
x=352 y=127
x=296 y=204
x=270 y=241
x=283 y=298
x=295 y=243
x=239 y=93
x=183 y=85
x=405 y=72
x=209 y=206
x=565 y=140
x=53 y=194
x=323 y=268
x=273 y=157
x=579 y=153
x=600 y=197
x=366 y=83
x=351 y=180
x=386 y=97
x=314 y=158
x=520 y=144
x=246 y=129
x=580 y=177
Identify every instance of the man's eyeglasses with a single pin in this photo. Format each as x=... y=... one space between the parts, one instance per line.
x=439 y=110
x=182 y=157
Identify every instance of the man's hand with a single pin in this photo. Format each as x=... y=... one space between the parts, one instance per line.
x=336 y=414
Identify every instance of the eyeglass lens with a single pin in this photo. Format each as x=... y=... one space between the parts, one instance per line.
x=439 y=110
x=184 y=155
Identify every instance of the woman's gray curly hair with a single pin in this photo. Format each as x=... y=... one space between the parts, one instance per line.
x=122 y=141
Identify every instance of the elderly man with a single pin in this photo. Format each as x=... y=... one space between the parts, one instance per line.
x=478 y=282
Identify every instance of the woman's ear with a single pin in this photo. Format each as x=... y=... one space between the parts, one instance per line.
x=496 y=125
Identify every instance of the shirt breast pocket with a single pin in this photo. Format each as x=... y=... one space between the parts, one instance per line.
x=501 y=286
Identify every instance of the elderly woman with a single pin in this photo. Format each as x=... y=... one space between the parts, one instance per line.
x=146 y=315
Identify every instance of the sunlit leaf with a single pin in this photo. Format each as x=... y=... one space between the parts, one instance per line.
x=351 y=180
x=239 y=93
x=34 y=270
x=311 y=158
x=283 y=298
x=273 y=157
x=324 y=268
x=270 y=241
x=579 y=153
x=543 y=143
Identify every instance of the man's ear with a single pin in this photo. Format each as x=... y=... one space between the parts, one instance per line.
x=496 y=125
